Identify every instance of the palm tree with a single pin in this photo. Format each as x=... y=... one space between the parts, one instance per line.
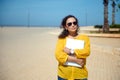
x=119 y=5
x=113 y=11
x=105 y=26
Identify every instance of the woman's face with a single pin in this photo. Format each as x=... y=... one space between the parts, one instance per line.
x=71 y=25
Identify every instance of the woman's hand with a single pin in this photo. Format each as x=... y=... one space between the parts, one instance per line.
x=80 y=61
x=66 y=50
x=73 y=58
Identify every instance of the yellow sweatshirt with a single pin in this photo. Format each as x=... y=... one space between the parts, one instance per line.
x=70 y=72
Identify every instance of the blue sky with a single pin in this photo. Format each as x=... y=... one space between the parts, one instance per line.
x=51 y=12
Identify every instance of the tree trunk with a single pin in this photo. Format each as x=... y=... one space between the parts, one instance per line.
x=113 y=12
x=105 y=26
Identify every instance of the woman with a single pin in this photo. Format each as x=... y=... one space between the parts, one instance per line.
x=64 y=54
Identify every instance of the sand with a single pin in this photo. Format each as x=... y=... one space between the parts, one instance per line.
x=27 y=53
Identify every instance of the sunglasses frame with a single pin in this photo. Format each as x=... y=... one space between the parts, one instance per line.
x=70 y=23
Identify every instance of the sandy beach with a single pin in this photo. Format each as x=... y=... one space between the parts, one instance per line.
x=27 y=53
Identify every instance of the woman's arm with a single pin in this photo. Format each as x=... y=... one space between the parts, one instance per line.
x=72 y=58
x=83 y=53
x=60 y=55
x=80 y=61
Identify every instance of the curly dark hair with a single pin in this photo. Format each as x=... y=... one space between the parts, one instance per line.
x=63 y=24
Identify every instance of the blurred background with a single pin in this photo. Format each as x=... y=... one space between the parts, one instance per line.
x=50 y=12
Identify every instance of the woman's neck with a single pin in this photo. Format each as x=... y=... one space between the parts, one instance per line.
x=72 y=35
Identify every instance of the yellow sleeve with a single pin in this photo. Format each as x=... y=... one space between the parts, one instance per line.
x=60 y=55
x=83 y=53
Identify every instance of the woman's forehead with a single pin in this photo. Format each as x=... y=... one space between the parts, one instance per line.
x=70 y=19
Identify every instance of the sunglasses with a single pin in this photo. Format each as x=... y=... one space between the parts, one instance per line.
x=70 y=23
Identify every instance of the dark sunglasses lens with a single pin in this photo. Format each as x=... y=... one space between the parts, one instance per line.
x=75 y=23
x=69 y=24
